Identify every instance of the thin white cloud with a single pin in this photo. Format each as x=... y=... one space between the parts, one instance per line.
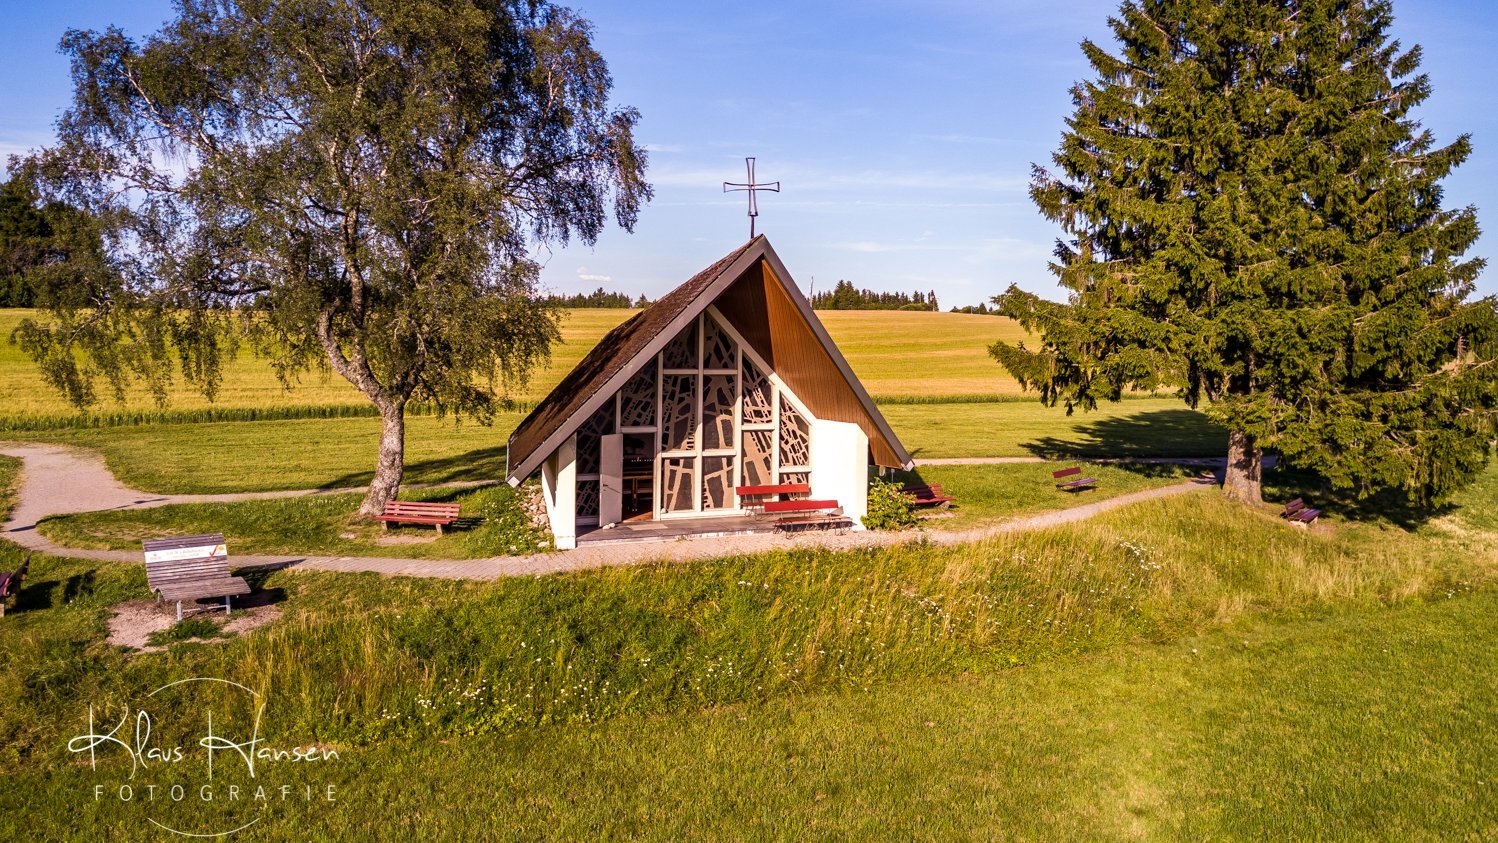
x=584 y=275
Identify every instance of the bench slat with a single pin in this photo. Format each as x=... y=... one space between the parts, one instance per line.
x=780 y=489
x=230 y=587
x=177 y=542
x=799 y=506
x=415 y=519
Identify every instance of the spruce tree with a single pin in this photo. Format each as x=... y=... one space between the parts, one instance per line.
x=1256 y=220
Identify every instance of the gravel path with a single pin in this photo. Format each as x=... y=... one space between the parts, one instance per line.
x=1269 y=461
x=58 y=480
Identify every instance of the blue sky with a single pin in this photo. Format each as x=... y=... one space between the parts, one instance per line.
x=902 y=133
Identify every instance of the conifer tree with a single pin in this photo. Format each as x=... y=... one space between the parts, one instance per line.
x=1256 y=220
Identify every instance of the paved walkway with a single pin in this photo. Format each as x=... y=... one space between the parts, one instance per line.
x=58 y=480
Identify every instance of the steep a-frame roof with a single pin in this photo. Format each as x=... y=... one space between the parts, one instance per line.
x=632 y=344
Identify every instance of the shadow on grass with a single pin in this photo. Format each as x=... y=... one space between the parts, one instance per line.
x=1158 y=433
x=478 y=464
x=1389 y=506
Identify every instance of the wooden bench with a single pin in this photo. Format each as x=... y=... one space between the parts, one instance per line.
x=191 y=568
x=800 y=523
x=779 y=507
x=1072 y=485
x=418 y=512
x=772 y=491
x=928 y=495
x=10 y=582
x=1298 y=513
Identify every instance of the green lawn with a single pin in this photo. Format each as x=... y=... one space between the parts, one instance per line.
x=226 y=457
x=1183 y=668
x=989 y=493
x=1155 y=427
x=212 y=458
x=325 y=524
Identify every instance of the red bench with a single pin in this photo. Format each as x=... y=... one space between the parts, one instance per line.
x=775 y=507
x=1072 y=485
x=418 y=512
x=1297 y=512
x=928 y=495
x=10 y=582
x=768 y=491
x=795 y=513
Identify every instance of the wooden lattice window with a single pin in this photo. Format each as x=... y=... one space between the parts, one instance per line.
x=758 y=458
x=795 y=437
x=679 y=411
x=758 y=395
x=717 y=482
x=681 y=352
x=587 y=498
x=717 y=347
x=637 y=399
x=717 y=412
x=599 y=425
x=677 y=476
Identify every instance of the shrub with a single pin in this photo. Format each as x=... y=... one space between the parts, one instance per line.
x=889 y=508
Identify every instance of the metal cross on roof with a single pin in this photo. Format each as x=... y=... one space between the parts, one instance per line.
x=753 y=188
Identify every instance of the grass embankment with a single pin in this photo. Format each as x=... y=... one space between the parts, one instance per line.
x=1330 y=728
x=357 y=658
x=783 y=691
x=878 y=345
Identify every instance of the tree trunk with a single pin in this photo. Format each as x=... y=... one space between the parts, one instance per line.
x=1243 y=481
x=392 y=464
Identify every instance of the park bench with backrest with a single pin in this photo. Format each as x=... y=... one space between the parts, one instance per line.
x=418 y=512
x=193 y=568
x=11 y=581
x=792 y=512
x=1077 y=485
x=928 y=495
x=1297 y=512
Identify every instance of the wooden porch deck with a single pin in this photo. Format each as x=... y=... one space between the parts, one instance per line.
x=677 y=528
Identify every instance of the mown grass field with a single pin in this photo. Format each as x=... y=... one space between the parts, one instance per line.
x=877 y=343
x=1183 y=669
x=210 y=458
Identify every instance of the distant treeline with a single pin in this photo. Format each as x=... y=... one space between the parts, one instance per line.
x=601 y=298
x=847 y=297
x=982 y=308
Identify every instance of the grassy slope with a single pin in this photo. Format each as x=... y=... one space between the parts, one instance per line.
x=704 y=672
x=877 y=343
x=1317 y=729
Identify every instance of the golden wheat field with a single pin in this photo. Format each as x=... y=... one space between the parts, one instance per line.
x=897 y=354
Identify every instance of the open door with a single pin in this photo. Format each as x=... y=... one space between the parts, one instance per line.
x=611 y=479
